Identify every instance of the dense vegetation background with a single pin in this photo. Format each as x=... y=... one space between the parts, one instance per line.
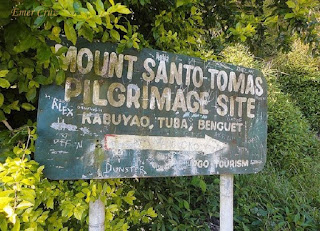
x=279 y=37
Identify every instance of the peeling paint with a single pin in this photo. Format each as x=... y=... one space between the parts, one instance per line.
x=61 y=126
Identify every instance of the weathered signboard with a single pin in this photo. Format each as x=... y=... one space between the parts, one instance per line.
x=150 y=113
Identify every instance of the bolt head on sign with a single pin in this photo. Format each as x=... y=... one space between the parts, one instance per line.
x=150 y=113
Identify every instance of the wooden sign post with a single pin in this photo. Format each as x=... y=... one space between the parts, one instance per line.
x=151 y=113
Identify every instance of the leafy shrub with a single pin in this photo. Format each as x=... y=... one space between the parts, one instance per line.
x=182 y=203
x=28 y=201
x=300 y=77
x=238 y=55
x=285 y=195
x=274 y=202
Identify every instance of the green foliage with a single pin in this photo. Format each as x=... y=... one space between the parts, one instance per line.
x=297 y=15
x=24 y=53
x=172 y=26
x=28 y=201
x=186 y=203
x=299 y=76
x=188 y=26
x=264 y=26
x=179 y=28
x=239 y=55
x=274 y=202
x=285 y=195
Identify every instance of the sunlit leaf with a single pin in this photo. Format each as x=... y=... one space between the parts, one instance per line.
x=70 y=31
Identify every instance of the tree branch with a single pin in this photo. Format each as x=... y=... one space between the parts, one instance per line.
x=7 y=125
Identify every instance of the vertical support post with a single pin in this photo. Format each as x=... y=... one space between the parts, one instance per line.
x=226 y=202
x=96 y=216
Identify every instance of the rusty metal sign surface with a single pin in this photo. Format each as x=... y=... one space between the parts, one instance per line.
x=150 y=113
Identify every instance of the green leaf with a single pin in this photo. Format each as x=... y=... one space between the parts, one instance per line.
x=3 y=225
x=91 y=9
x=43 y=217
x=109 y=25
x=63 y=3
x=24 y=205
x=112 y=2
x=1 y=99
x=109 y=216
x=80 y=195
x=6 y=193
x=112 y=208
x=115 y=34
x=70 y=31
x=129 y=198
x=4 y=83
x=6 y=110
x=203 y=185
x=99 y=6
x=136 y=45
x=50 y=203
x=39 y=21
x=129 y=43
x=43 y=53
x=245 y=228
x=28 y=42
x=31 y=94
x=56 y=30
x=22 y=86
x=14 y=105
x=28 y=107
x=78 y=211
x=291 y=4
x=182 y=2
x=146 y=220
x=40 y=79
x=243 y=38
x=123 y=10
x=2 y=116
x=60 y=77
x=62 y=50
x=33 y=83
x=120 y=48
x=186 y=204
x=87 y=33
x=3 y=73
x=39 y=8
x=289 y=15
x=121 y=28
x=16 y=226
x=105 y=36
x=4 y=201
x=151 y=212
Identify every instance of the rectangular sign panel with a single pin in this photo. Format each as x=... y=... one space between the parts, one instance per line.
x=150 y=113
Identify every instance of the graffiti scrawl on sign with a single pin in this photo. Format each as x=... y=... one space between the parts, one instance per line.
x=150 y=113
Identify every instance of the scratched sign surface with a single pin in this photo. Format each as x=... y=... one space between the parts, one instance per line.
x=150 y=113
